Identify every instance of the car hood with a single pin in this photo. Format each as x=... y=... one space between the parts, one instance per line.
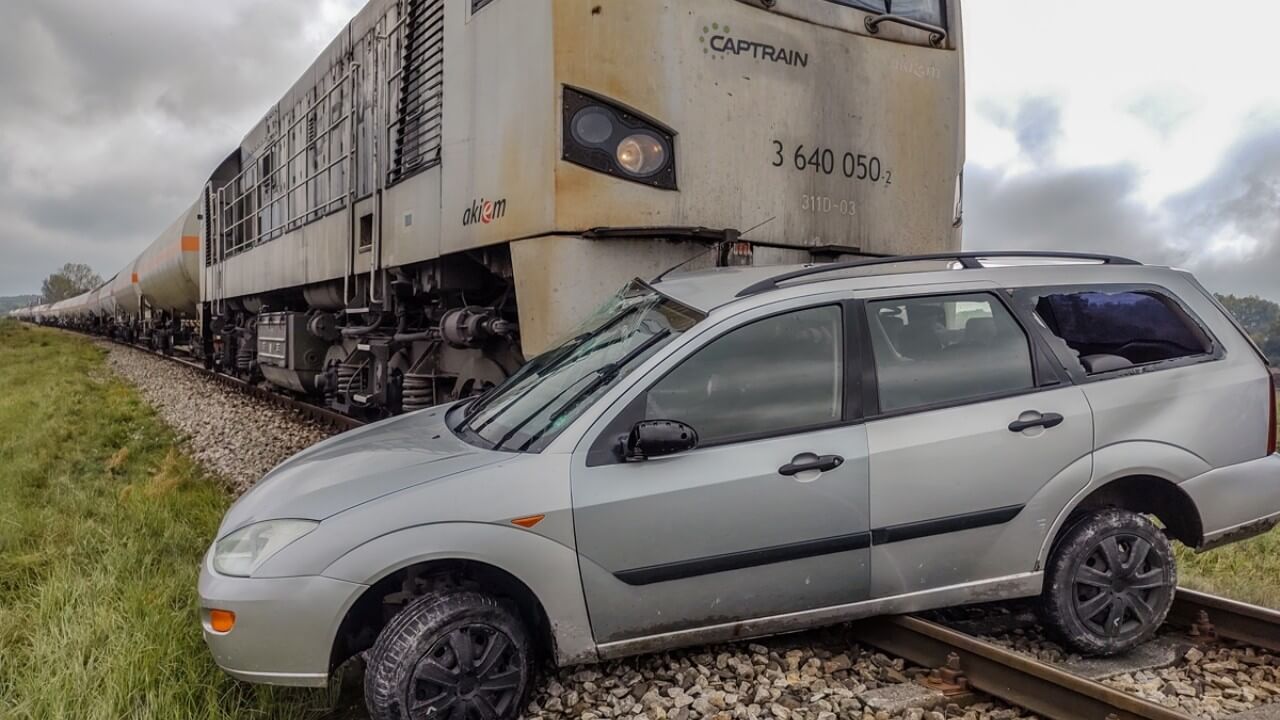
x=357 y=467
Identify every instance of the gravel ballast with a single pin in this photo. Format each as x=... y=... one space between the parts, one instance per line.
x=821 y=675
x=235 y=436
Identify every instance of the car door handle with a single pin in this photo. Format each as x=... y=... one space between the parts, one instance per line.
x=800 y=463
x=1047 y=420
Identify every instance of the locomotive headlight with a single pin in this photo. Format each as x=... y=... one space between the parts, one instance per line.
x=641 y=154
x=246 y=549
x=608 y=138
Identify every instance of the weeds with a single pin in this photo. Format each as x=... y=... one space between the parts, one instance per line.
x=102 y=527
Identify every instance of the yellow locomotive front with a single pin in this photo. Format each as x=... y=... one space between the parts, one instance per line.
x=818 y=125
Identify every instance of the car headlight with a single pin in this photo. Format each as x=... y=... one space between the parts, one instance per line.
x=246 y=549
x=605 y=137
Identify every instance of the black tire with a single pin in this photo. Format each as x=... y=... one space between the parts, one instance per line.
x=417 y=667
x=1110 y=582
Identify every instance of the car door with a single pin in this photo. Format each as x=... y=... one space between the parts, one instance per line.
x=977 y=440
x=768 y=515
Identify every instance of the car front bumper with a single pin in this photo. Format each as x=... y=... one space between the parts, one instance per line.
x=1238 y=501
x=284 y=627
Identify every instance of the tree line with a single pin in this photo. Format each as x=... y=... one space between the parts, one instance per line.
x=1260 y=318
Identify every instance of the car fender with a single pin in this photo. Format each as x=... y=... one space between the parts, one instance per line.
x=1128 y=459
x=548 y=568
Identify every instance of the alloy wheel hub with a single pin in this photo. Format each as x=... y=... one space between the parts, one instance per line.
x=1118 y=587
x=473 y=672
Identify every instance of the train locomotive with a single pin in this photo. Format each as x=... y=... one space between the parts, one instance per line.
x=453 y=183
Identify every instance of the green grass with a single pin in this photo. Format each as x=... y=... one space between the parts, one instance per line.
x=102 y=527
x=1248 y=571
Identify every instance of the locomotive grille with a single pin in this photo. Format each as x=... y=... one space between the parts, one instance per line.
x=417 y=135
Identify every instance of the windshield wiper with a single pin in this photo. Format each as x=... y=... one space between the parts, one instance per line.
x=604 y=376
x=529 y=418
x=567 y=351
x=937 y=35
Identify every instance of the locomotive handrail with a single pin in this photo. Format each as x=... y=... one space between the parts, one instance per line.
x=937 y=35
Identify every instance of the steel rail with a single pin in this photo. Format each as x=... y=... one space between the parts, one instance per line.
x=1248 y=624
x=996 y=671
x=336 y=421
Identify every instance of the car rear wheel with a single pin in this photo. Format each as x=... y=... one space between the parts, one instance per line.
x=456 y=655
x=1110 y=582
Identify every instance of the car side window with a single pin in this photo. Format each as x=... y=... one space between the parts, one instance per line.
x=771 y=377
x=1117 y=330
x=944 y=349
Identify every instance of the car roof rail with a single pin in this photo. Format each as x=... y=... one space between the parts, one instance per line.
x=967 y=260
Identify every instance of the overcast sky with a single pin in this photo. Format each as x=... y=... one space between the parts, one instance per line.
x=1141 y=127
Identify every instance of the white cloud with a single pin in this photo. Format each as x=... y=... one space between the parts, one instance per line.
x=1172 y=92
x=114 y=112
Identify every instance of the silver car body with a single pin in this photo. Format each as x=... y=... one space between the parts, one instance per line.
x=931 y=508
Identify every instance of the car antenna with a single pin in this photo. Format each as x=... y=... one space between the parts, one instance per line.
x=730 y=236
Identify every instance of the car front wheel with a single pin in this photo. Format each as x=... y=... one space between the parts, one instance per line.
x=456 y=655
x=1110 y=582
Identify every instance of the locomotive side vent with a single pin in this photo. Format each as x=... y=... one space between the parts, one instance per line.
x=206 y=226
x=417 y=135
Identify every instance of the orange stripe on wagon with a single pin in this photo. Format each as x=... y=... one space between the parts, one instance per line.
x=190 y=243
x=135 y=278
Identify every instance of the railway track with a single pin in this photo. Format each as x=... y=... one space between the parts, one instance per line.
x=965 y=663
x=337 y=421
x=324 y=416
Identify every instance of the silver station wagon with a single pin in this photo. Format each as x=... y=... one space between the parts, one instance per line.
x=740 y=452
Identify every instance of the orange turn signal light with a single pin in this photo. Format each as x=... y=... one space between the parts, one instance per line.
x=528 y=522
x=222 y=621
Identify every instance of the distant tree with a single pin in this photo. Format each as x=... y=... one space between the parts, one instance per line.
x=72 y=280
x=1271 y=343
x=1260 y=318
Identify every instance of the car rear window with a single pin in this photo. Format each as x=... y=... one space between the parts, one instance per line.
x=1111 y=331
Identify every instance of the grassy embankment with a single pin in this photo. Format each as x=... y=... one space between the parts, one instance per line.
x=102 y=526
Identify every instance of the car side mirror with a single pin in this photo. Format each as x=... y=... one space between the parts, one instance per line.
x=658 y=438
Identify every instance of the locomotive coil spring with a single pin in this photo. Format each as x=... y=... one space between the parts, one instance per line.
x=351 y=379
x=419 y=391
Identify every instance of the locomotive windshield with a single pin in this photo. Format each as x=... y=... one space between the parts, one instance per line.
x=527 y=411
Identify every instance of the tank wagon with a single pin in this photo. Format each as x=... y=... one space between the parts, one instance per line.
x=154 y=300
x=452 y=185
